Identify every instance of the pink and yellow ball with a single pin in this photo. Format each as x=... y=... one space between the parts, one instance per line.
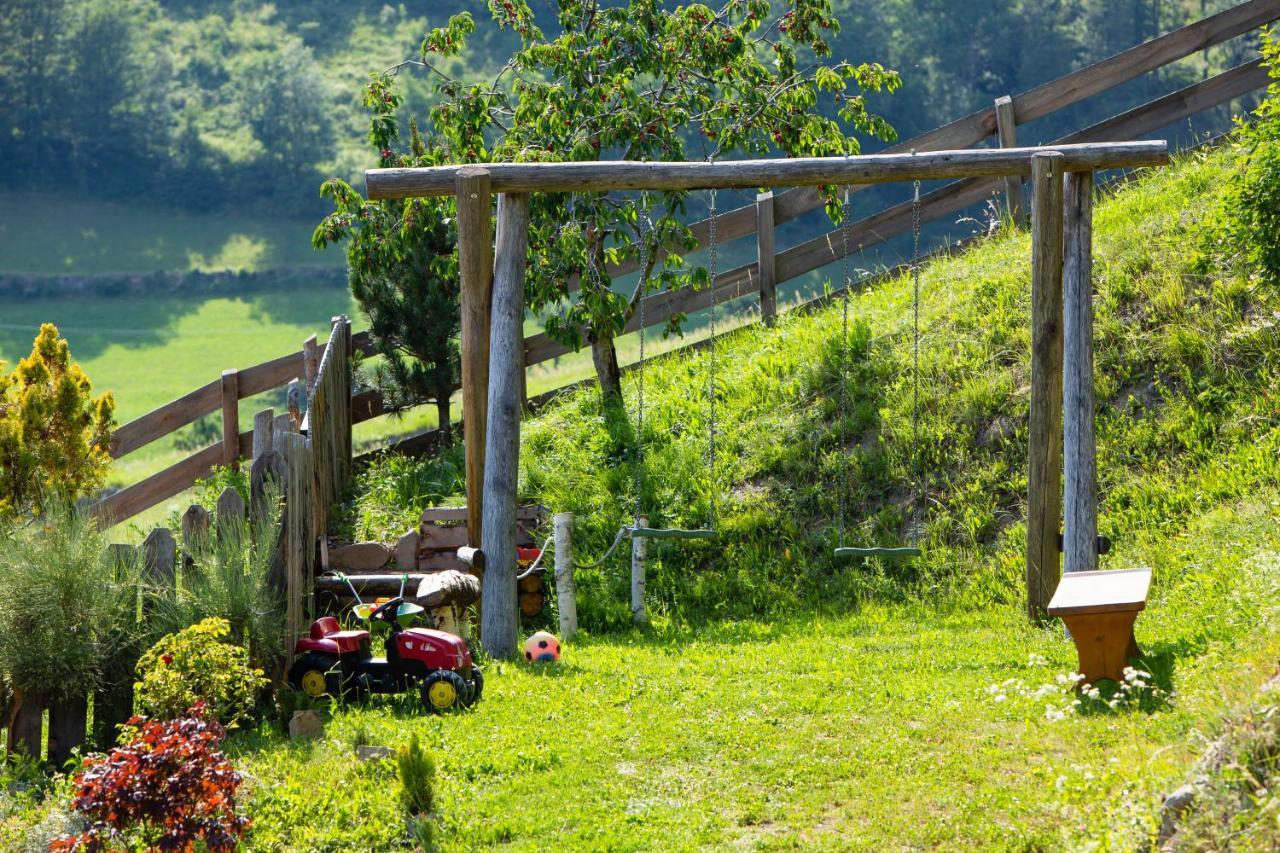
x=542 y=648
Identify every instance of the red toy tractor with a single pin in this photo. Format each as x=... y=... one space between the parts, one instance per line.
x=337 y=662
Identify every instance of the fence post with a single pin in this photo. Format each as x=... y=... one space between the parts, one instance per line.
x=639 y=553
x=566 y=591
x=1080 y=500
x=262 y=429
x=158 y=554
x=230 y=514
x=310 y=363
x=1007 y=131
x=230 y=417
x=1044 y=459
x=195 y=529
x=766 y=259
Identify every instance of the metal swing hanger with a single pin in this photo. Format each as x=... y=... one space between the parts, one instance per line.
x=886 y=552
x=636 y=531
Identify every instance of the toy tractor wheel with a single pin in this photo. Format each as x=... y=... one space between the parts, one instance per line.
x=475 y=688
x=315 y=675
x=444 y=690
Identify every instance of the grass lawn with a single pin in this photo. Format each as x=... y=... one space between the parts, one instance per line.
x=52 y=235
x=871 y=729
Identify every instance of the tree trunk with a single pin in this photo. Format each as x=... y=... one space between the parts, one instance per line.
x=444 y=418
x=605 y=357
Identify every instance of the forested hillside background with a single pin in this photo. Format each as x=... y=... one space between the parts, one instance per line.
x=245 y=107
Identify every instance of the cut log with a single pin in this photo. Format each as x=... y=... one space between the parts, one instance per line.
x=448 y=588
x=531 y=603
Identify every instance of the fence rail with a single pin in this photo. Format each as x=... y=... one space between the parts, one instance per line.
x=772 y=266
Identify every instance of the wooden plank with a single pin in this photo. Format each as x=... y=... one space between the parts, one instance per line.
x=1007 y=131
x=600 y=176
x=130 y=501
x=366 y=406
x=230 y=417
x=174 y=415
x=1179 y=105
x=824 y=249
x=475 y=270
x=1101 y=592
x=498 y=612
x=440 y=538
x=1044 y=462
x=1079 y=458
x=270 y=374
x=766 y=258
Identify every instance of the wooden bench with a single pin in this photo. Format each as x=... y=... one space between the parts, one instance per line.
x=1099 y=609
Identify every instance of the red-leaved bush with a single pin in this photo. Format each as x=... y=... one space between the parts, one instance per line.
x=170 y=787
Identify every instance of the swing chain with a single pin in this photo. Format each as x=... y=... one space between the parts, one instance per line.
x=922 y=485
x=711 y=371
x=844 y=357
x=646 y=227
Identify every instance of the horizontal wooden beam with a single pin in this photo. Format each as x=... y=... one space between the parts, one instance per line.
x=598 y=176
x=1176 y=106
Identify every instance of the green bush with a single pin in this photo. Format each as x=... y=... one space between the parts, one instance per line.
x=1248 y=226
x=68 y=614
x=197 y=664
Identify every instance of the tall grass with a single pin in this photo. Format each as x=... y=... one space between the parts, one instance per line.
x=230 y=575
x=68 y=610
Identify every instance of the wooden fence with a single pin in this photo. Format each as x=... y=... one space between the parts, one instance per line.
x=306 y=453
x=772 y=267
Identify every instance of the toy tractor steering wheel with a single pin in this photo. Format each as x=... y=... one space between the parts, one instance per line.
x=387 y=612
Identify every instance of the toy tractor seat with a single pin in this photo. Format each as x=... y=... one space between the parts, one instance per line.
x=327 y=636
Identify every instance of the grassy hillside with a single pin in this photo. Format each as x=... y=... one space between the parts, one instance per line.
x=1184 y=423
x=872 y=705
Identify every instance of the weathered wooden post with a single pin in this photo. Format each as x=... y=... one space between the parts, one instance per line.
x=1080 y=500
x=766 y=259
x=475 y=272
x=159 y=552
x=502 y=435
x=1044 y=458
x=195 y=529
x=566 y=591
x=310 y=363
x=262 y=430
x=639 y=553
x=1006 y=130
x=230 y=512
x=230 y=416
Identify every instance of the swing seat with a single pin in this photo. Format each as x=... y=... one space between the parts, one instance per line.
x=887 y=553
x=670 y=533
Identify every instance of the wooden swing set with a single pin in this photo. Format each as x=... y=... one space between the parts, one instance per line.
x=492 y=273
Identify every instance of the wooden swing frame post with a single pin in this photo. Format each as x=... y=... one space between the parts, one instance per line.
x=493 y=359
